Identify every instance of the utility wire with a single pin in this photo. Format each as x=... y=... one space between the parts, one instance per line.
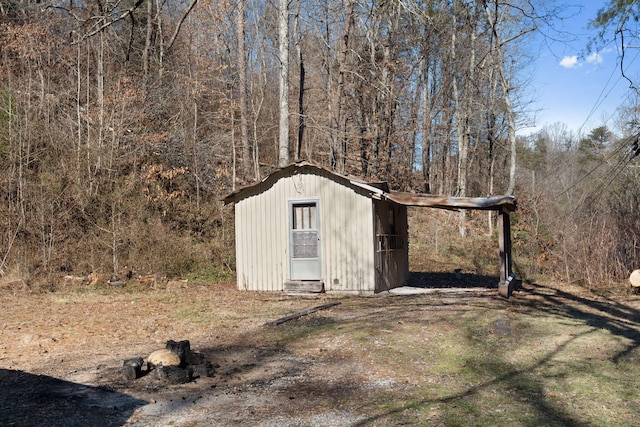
x=595 y=168
x=613 y=172
x=631 y=144
x=601 y=98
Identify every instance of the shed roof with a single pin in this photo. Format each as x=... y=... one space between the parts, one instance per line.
x=380 y=191
x=304 y=166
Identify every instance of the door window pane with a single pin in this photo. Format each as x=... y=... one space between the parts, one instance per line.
x=304 y=234
x=305 y=244
x=304 y=216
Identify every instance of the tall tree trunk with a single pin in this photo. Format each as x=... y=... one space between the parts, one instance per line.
x=466 y=110
x=364 y=139
x=79 y=108
x=388 y=90
x=460 y=119
x=415 y=113
x=460 y=110
x=283 y=41
x=427 y=125
x=511 y=131
x=338 y=147
x=100 y=77
x=301 y=81
x=148 y=38
x=160 y=41
x=242 y=77
x=491 y=139
x=505 y=83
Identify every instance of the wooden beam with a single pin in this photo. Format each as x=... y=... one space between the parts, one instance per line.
x=302 y=313
x=498 y=203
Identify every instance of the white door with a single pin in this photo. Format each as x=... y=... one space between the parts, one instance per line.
x=304 y=240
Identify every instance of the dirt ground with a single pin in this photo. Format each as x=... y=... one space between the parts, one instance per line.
x=61 y=354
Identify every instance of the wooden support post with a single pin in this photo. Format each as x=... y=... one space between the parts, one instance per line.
x=505 y=287
x=501 y=243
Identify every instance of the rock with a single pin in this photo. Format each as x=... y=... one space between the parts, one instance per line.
x=635 y=278
x=165 y=357
x=132 y=368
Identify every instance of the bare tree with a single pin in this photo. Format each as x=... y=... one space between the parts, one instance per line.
x=501 y=19
x=301 y=80
x=283 y=47
x=241 y=25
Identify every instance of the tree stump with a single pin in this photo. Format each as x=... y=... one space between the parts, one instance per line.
x=163 y=357
x=634 y=279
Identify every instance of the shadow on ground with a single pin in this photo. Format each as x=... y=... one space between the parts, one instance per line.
x=39 y=400
x=599 y=312
x=435 y=280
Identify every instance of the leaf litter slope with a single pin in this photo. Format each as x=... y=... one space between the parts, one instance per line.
x=551 y=355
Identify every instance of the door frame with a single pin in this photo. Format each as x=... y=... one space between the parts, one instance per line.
x=290 y=205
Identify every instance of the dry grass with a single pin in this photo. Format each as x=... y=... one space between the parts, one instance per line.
x=551 y=355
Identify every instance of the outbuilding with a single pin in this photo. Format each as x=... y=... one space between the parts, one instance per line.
x=305 y=228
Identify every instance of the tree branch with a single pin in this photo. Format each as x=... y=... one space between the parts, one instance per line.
x=520 y=34
x=108 y=24
x=182 y=19
x=622 y=53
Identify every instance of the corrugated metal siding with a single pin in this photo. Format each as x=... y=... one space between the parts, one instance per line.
x=260 y=243
x=346 y=233
x=347 y=227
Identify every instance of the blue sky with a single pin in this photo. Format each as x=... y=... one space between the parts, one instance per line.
x=581 y=89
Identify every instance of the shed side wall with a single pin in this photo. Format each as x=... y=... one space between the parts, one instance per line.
x=347 y=227
x=261 y=238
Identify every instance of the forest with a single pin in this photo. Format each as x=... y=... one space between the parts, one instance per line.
x=124 y=122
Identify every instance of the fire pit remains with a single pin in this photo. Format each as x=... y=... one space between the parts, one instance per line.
x=174 y=364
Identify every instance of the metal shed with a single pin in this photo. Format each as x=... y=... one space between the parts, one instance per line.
x=305 y=228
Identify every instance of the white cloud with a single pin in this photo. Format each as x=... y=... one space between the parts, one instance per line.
x=569 y=61
x=594 y=58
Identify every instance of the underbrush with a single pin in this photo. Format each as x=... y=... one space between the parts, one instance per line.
x=145 y=249
x=436 y=245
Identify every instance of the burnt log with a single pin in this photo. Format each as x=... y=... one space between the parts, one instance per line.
x=182 y=349
x=204 y=369
x=194 y=358
x=174 y=374
x=132 y=368
x=175 y=364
